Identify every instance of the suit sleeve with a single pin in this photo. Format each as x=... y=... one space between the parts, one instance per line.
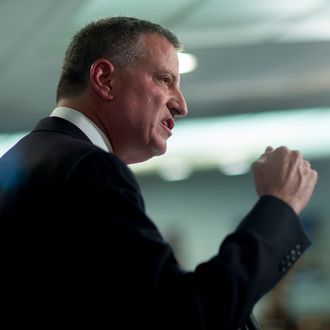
x=135 y=269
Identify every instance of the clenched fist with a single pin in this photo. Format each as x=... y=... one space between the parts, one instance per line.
x=284 y=173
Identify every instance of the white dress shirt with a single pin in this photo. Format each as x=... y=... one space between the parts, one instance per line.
x=86 y=125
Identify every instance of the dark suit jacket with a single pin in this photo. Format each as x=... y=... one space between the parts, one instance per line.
x=78 y=249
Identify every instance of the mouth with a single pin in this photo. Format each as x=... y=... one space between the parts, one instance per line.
x=169 y=125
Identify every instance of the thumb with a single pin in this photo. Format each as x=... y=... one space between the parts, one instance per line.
x=264 y=156
x=269 y=149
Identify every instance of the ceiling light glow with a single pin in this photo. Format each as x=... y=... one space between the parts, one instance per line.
x=187 y=62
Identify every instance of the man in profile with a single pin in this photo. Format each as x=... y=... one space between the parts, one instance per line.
x=77 y=246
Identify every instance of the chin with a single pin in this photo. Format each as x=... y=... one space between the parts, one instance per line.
x=144 y=154
x=159 y=150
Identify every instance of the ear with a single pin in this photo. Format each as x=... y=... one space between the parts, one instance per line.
x=100 y=75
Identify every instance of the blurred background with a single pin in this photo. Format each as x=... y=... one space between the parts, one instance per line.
x=260 y=76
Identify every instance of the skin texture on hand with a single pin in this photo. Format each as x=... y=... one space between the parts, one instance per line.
x=285 y=174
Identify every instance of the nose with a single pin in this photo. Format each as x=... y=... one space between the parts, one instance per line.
x=178 y=105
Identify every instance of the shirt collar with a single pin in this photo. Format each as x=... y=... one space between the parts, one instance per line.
x=86 y=125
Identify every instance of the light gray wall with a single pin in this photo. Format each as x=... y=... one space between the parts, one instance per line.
x=201 y=210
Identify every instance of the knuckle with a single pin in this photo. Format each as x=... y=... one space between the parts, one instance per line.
x=255 y=166
x=296 y=154
x=283 y=150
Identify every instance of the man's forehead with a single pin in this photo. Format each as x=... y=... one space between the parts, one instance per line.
x=158 y=47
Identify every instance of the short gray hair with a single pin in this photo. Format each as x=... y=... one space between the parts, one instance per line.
x=116 y=38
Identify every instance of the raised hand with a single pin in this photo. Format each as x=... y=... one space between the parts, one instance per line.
x=285 y=174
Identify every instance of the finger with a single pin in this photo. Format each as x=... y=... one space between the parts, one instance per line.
x=269 y=149
x=307 y=163
x=265 y=155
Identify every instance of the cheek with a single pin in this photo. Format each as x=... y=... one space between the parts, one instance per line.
x=146 y=110
x=158 y=104
x=151 y=111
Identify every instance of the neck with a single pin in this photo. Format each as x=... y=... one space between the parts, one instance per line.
x=88 y=108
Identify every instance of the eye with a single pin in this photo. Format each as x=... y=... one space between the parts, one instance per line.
x=167 y=80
